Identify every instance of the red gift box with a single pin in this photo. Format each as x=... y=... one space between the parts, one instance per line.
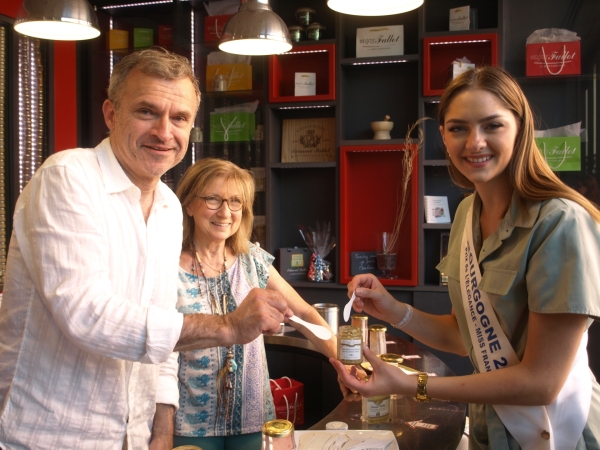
x=553 y=58
x=213 y=27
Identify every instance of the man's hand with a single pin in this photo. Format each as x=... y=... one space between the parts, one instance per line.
x=262 y=311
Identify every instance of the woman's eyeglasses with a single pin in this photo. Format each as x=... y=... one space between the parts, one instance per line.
x=214 y=203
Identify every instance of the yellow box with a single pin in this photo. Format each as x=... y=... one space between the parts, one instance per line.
x=238 y=76
x=117 y=39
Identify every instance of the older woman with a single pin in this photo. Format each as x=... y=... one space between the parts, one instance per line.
x=224 y=391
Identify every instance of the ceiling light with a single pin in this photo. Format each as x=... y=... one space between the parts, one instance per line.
x=255 y=30
x=373 y=7
x=61 y=20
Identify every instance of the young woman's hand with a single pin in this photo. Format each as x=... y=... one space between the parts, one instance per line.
x=373 y=298
x=385 y=379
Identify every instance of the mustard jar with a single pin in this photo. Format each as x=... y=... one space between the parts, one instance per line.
x=377 y=339
x=350 y=345
x=376 y=409
x=278 y=434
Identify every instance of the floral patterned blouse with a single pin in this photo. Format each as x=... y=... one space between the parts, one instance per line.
x=250 y=403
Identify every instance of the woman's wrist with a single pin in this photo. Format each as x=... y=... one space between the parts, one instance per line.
x=403 y=319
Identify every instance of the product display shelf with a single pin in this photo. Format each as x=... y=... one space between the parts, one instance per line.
x=370 y=178
x=437 y=14
x=397 y=59
x=318 y=59
x=439 y=53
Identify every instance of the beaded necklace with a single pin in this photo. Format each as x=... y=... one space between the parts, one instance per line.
x=225 y=375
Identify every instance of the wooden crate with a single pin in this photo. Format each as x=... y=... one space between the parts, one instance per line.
x=308 y=140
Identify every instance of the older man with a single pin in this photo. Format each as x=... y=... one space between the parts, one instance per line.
x=88 y=321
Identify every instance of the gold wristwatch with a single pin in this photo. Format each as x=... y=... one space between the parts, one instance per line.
x=422 y=388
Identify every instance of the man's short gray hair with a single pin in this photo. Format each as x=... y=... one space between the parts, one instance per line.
x=154 y=61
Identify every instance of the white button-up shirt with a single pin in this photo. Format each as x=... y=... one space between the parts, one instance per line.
x=88 y=314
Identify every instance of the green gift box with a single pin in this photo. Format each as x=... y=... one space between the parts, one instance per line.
x=231 y=127
x=143 y=37
x=563 y=154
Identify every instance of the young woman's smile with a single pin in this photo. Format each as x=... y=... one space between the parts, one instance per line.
x=479 y=134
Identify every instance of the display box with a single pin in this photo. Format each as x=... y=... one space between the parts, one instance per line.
x=117 y=39
x=165 y=35
x=143 y=37
x=305 y=84
x=294 y=263
x=213 y=27
x=380 y=41
x=317 y=59
x=440 y=52
x=308 y=140
x=553 y=58
x=369 y=175
x=232 y=127
x=460 y=18
x=238 y=76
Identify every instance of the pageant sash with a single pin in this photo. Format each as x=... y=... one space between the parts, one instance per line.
x=554 y=427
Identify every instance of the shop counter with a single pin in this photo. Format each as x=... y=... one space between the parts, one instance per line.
x=416 y=425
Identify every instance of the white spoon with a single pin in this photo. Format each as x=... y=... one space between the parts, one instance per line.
x=348 y=308
x=319 y=331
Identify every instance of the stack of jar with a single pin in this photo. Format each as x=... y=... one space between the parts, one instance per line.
x=307 y=28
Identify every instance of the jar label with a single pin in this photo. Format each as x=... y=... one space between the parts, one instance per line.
x=350 y=349
x=378 y=407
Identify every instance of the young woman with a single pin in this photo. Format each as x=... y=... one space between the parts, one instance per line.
x=524 y=281
x=224 y=391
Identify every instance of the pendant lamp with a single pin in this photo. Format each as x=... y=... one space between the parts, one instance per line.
x=373 y=7
x=61 y=20
x=255 y=30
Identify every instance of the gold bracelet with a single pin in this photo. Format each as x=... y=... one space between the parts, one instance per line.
x=422 y=388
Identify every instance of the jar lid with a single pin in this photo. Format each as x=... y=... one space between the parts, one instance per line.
x=278 y=428
x=336 y=425
x=326 y=306
x=315 y=26
x=295 y=28
x=308 y=10
x=392 y=358
x=378 y=327
x=359 y=317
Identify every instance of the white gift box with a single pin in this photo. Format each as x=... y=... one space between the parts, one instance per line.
x=380 y=41
x=305 y=84
x=459 y=18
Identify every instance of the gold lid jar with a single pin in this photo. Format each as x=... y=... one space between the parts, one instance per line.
x=377 y=339
x=376 y=409
x=350 y=342
x=278 y=434
x=392 y=358
x=361 y=321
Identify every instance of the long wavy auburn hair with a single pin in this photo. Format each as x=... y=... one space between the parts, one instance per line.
x=528 y=172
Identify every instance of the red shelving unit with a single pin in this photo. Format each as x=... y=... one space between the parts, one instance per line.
x=319 y=59
x=370 y=177
x=439 y=53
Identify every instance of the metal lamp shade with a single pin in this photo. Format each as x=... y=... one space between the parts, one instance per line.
x=61 y=20
x=255 y=30
x=373 y=7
